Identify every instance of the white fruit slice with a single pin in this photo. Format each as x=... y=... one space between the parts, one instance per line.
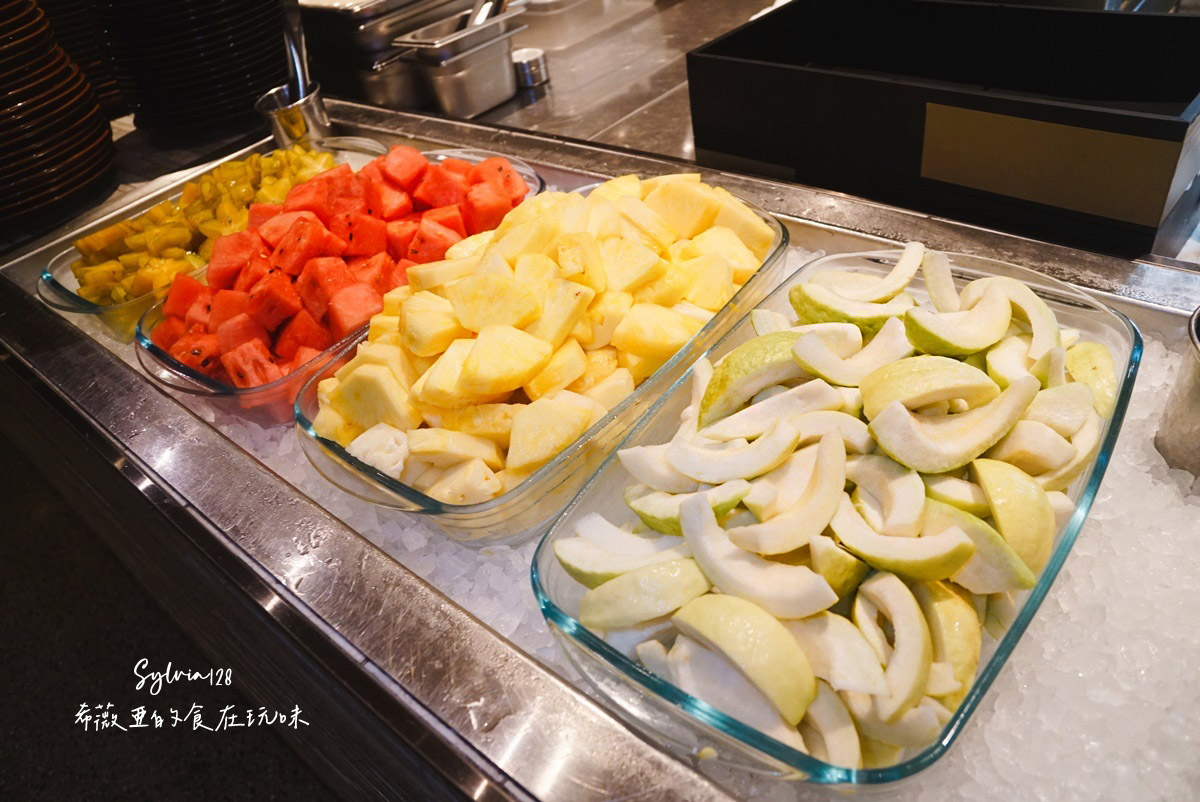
x=941 y=677
x=1008 y=360
x=745 y=370
x=844 y=339
x=1063 y=408
x=907 y=671
x=1033 y=447
x=702 y=373
x=648 y=464
x=936 y=557
x=626 y=639
x=708 y=675
x=915 y=729
x=765 y=321
x=715 y=465
x=1063 y=507
x=922 y=380
x=866 y=617
x=994 y=566
x=939 y=282
x=1001 y=612
x=838 y=653
x=774 y=492
x=642 y=594
x=878 y=755
x=956 y=636
x=1086 y=441
x=814 y=425
x=1092 y=364
x=830 y=721
x=597 y=529
x=754 y=641
x=960 y=333
x=841 y=569
x=965 y=495
x=770 y=392
x=786 y=591
x=660 y=511
x=852 y=401
x=815 y=357
x=1051 y=369
x=792 y=528
x=813 y=303
x=899 y=490
x=938 y=445
x=839 y=280
x=653 y=656
x=1020 y=509
x=592 y=565
x=1028 y=307
x=757 y=418
x=895 y=281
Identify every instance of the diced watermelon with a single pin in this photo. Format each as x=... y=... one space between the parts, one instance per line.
x=373 y=170
x=273 y=230
x=300 y=332
x=183 y=293
x=375 y=271
x=398 y=276
x=460 y=166
x=225 y=305
x=305 y=240
x=320 y=281
x=200 y=352
x=250 y=365
x=448 y=216
x=440 y=187
x=431 y=241
x=497 y=170
x=312 y=196
x=386 y=201
x=365 y=235
x=334 y=174
x=259 y=266
x=239 y=329
x=167 y=332
x=262 y=212
x=399 y=236
x=303 y=356
x=347 y=195
x=405 y=166
x=230 y=254
x=196 y=318
x=273 y=300
x=352 y=308
x=485 y=207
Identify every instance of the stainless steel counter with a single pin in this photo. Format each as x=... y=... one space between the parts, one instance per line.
x=413 y=692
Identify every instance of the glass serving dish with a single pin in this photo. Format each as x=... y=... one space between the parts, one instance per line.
x=688 y=726
x=528 y=507
x=272 y=403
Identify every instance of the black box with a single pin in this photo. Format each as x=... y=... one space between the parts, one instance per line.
x=1069 y=125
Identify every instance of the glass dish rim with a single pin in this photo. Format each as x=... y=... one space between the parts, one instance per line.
x=429 y=505
x=812 y=769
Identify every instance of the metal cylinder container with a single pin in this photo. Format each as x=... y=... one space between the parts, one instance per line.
x=1178 y=438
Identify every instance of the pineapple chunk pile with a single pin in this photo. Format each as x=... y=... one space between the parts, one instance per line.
x=491 y=362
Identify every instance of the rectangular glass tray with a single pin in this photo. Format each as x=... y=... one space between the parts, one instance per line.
x=686 y=725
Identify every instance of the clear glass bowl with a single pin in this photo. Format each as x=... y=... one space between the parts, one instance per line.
x=528 y=507
x=685 y=724
x=272 y=403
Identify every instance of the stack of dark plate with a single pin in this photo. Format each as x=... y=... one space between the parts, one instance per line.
x=55 y=143
x=79 y=33
x=192 y=69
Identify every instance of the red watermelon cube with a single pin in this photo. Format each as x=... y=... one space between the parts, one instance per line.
x=373 y=170
x=200 y=352
x=305 y=240
x=404 y=166
x=167 y=332
x=231 y=253
x=460 y=166
x=259 y=266
x=183 y=293
x=302 y=331
x=250 y=365
x=335 y=174
x=399 y=275
x=365 y=235
x=431 y=241
x=386 y=201
x=225 y=305
x=400 y=234
x=262 y=212
x=273 y=229
x=196 y=318
x=352 y=307
x=320 y=281
x=239 y=329
x=273 y=300
x=311 y=196
x=347 y=195
x=440 y=187
x=303 y=356
x=448 y=216
x=485 y=207
x=375 y=271
x=497 y=170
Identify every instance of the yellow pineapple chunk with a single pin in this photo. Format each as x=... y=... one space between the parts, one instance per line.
x=493 y=421
x=535 y=272
x=443 y=447
x=566 y=365
x=470 y=482
x=428 y=476
x=325 y=387
x=330 y=424
x=582 y=330
x=620 y=186
x=628 y=265
x=438 y=386
x=686 y=207
x=436 y=274
x=653 y=331
x=392 y=357
x=541 y=430
x=651 y=184
x=480 y=301
x=491 y=263
x=651 y=222
x=510 y=479
x=565 y=304
x=693 y=312
x=539 y=235
x=686 y=249
x=393 y=298
x=723 y=242
x=639 y=367
x=469 y=246
x=503 y=358
x=579 y=260
x=428 y=324
x=612 y=389
x=666 y=290
x=749 y=227
x=709 y=281
x=600 y=365
x=594 y=409
x=547 y=203
x=382 y=325
x=604 y=315
x=603 y=219
x=372 y=394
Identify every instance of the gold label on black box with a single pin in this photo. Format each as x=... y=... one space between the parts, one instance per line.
x=1118 y=176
